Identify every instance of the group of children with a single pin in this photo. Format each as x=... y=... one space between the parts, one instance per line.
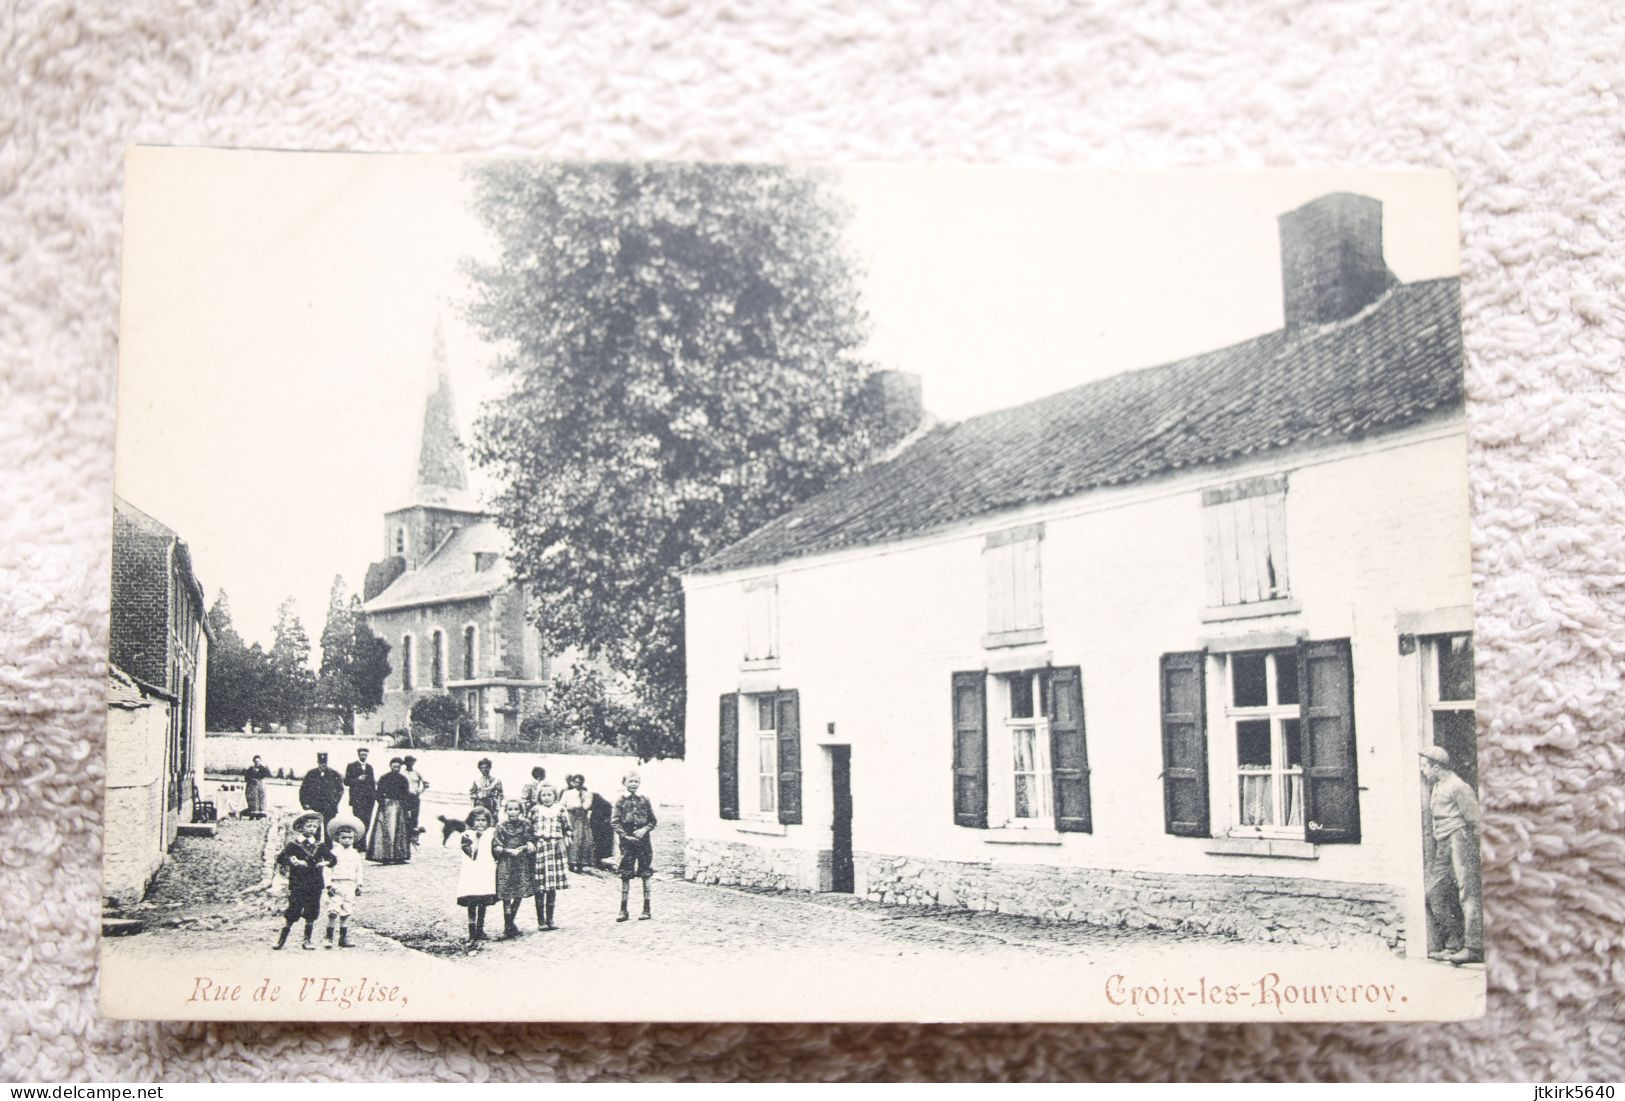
x=525 y=855
x=316 y=869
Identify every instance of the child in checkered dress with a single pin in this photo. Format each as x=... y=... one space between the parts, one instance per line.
x=551 y=825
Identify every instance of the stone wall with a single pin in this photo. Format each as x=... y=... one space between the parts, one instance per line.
x=733 y=864
x=1246 y=907
x=449 y=771
x=138 y=832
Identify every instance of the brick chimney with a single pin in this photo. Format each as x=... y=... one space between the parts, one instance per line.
x=1331 y=259
x=899 y=397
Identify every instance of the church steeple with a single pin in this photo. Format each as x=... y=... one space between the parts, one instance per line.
x=440 y=474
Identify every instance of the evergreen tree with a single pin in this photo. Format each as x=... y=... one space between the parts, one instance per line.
x=335 y=688
x=232 y=689
x=293 y=684
x=681 y=365
x=264 y=695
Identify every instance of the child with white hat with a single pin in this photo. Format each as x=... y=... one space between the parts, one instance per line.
x=343 y=876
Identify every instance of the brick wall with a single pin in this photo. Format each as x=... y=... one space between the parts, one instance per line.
x=138 y=627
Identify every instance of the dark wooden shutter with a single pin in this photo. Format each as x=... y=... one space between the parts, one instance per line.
x=728 y=757
x=1184 y=744
x=970 y=749
x=1331 y=794
x=1068 y=753
x=789 y=732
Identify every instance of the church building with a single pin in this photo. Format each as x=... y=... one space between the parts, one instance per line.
x=443 y=596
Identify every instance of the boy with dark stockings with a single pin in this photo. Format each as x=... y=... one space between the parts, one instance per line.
x=632 y=821
x=303 y=859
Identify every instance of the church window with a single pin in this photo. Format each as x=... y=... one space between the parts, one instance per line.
x=438 y=660
x=470 y=649
x=400 y=539
x=407 y=678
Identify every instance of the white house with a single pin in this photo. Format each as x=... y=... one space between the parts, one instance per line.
x=1158 y=650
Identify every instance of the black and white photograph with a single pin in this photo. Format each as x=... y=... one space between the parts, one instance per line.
x=789 y=592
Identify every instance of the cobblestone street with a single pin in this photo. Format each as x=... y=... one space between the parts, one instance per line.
x=203 y=901
x=719 y=950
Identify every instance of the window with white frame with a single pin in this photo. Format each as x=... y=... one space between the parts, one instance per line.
x=408 y=674
x=1021 y=791
x=437 y=659
x=761 y=621
x=471 y=638
x=1451 y=695
x=1244 y=534
x=1262 y=715
x=761 y=752
x=1014 y=595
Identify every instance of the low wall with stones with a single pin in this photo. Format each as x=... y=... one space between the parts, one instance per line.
x=1284 y=910
x=1245 y=907
x=733 y=864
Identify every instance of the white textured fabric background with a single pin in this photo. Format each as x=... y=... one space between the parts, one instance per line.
x=1522 y=101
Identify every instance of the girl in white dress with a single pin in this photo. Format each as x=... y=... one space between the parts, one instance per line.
x=477 y=880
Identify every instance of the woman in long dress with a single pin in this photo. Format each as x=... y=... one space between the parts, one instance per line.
x=389 y=841
x=254 y=778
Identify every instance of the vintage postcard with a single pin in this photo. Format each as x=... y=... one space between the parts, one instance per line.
x=556 y=591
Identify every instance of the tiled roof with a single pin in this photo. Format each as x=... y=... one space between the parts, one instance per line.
x=449 y=574
x=1392 y=364
x=138 y=525
x=122 y=691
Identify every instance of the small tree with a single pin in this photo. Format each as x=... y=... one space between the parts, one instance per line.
x=369 y=666
x=355 y=662
x=442 y=715
x=581 y=705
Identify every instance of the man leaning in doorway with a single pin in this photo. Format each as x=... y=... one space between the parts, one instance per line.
x=1456 y=827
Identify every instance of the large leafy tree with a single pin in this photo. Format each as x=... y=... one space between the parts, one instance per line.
x=681 y=364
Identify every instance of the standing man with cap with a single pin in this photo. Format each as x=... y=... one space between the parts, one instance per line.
x=1453 y=807
x=321 y=790
x=363 y=785
x=415 y=784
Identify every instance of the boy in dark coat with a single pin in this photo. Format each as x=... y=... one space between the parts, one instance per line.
x=304 y=859
x=633 y=819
